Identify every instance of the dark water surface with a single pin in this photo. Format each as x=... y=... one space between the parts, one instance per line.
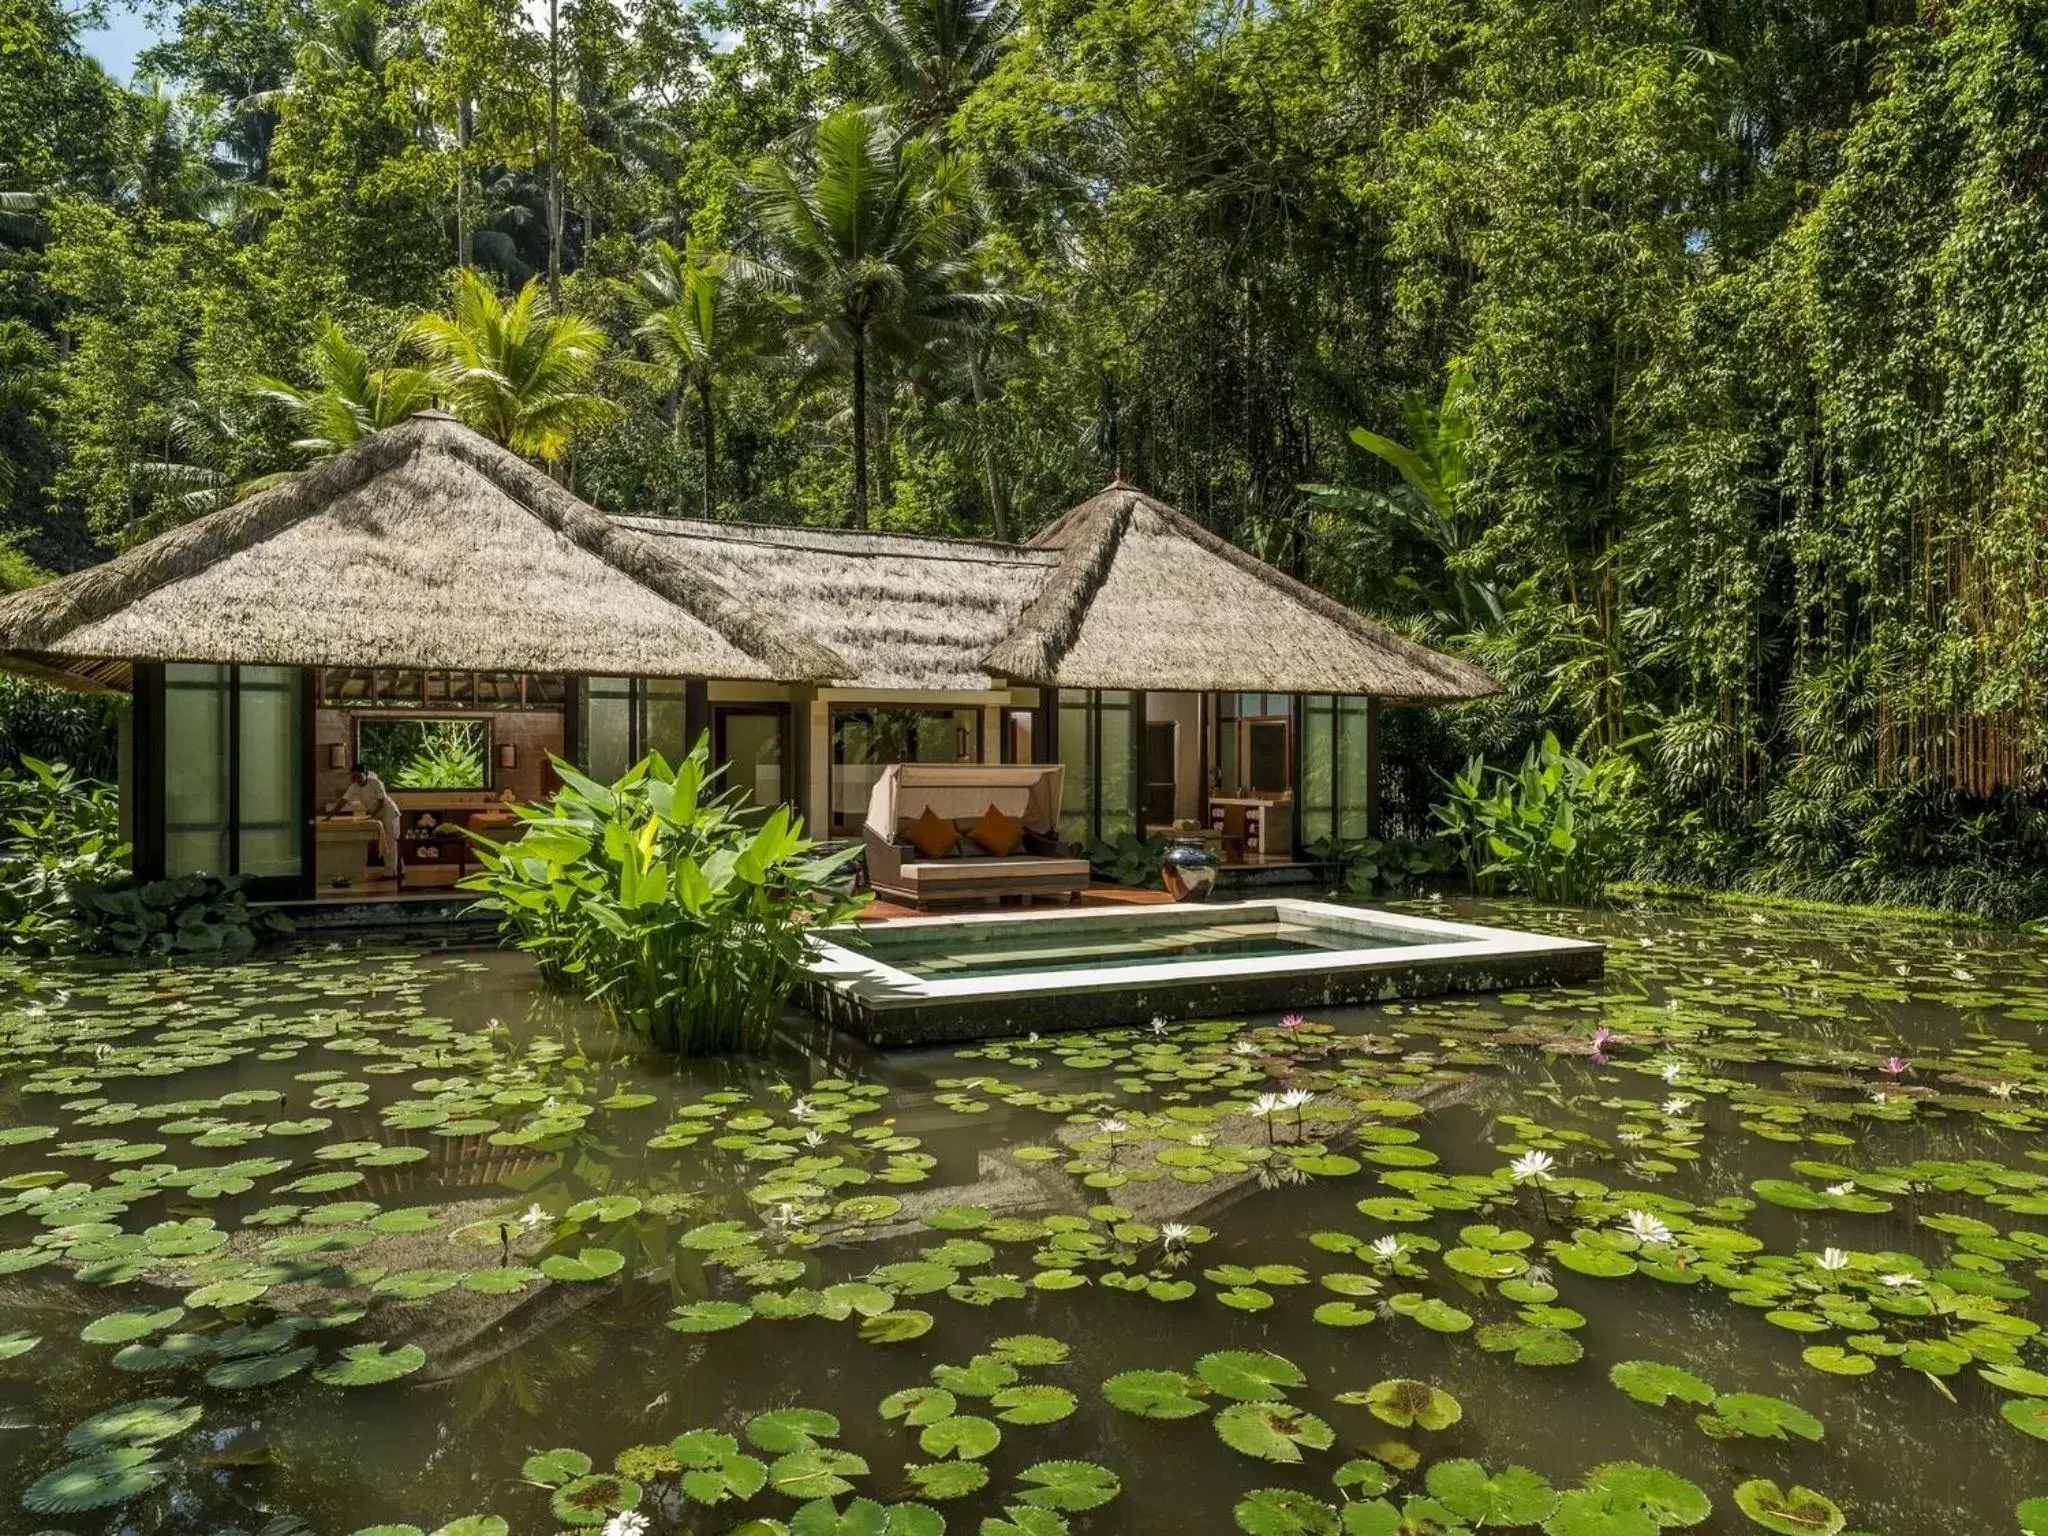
x=219 y=1179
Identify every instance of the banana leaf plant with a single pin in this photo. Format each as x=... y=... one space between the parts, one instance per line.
x=682 y=917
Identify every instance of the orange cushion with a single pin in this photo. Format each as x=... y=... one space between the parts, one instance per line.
x=1000 y=834
x=932 y=835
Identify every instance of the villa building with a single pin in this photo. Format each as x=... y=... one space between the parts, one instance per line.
x=427 y=593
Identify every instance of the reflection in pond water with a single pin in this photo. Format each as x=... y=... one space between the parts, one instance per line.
x=1747 y=1238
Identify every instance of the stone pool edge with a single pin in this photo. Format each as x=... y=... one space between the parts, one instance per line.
x=889 y=1007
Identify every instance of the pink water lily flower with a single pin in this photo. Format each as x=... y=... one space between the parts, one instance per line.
x=1291 y=1021
x=1894 y=1066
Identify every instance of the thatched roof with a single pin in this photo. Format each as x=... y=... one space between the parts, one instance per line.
x=905 y=611
x=423 y=546
x=1145 y=598
x=426 y=546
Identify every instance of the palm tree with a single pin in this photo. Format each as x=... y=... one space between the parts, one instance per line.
x=353 y=400
x=874 y=241
x=208 y=444
x=515 y=372
x=932 y=53
x=699 y=324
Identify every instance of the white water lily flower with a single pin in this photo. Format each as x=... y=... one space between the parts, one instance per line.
x=1833 y=1259
x=1387 y=1248
x=1199 y=1139
x=1174 y=1233
x=814 y=1138
x=1266 y=1104
x=801 y=1110
x=1158 y=1025
x=1244 y=1048
x=1671 y=1071
x=1296 y=1098
x=1647 y=1228
x=1032 y=1038
x=1531 y=1166
x=1900 y=1281
x=1113 y=1126
x=1630 y=1136
x=532 y=1217
x=1879 y=1096
x=1843 y=1188
x=626 y=1522
x=1676 y=1105
x=2001 y=1090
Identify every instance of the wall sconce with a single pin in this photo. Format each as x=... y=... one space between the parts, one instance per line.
x=335 y=756
x=508 y=755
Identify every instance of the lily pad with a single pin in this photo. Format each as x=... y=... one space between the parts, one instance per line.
x=1794 y=1512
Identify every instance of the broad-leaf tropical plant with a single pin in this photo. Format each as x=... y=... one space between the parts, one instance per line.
x=1429 y=505
x=684 y=918
x=516 y=371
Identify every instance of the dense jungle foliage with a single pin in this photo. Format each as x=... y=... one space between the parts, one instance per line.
x=1685 y=364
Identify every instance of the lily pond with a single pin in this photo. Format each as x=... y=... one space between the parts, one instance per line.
x=394 y=1239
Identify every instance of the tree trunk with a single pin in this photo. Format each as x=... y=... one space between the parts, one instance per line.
x=860 y=431
x=998 y=498
x=885 y=445
x=554 y=153
x=710 y=446
x=675 y=438
x=465 y=127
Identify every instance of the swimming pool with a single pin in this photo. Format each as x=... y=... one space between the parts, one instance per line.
x=993 y=973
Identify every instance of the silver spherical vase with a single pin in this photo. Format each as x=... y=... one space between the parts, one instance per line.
x=1189 y=868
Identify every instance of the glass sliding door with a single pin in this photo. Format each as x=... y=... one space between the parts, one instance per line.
x=664 y=719
x=752 y=741
x=196 y=770
x=604 y=726
x=234 y=777
x=1336 y=767
x=1098 y=739
x=619 y=720
x=1116 y=768
x=270 y=832
x=1077 y=751
x=866 y=738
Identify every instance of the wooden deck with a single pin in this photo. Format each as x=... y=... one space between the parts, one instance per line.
x=883 y=910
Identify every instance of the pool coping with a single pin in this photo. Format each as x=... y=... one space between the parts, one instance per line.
x=889 y=1006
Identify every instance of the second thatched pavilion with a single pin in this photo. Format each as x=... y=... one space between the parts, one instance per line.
x=431 y=605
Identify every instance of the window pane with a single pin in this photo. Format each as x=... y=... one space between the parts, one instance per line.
x=1266 y=757
x=607 y=727
x=1353 y=761
x=1318 y=768
x=1119 y=764
x=196 y=783
x=270 y=835
x=1079 y=794
x=868 y=739
x=753 y=754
